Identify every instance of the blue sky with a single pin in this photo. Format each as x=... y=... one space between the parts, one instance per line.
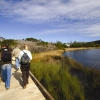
x=50 y=20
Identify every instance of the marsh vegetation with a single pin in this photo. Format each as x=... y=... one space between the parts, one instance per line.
x=64 y=78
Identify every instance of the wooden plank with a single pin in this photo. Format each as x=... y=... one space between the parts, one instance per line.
x=19 y=93
x=16 y=91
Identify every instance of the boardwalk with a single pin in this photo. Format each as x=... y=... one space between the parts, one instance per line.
x=16 y=91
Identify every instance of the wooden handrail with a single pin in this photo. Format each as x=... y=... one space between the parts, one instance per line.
x=42 y=89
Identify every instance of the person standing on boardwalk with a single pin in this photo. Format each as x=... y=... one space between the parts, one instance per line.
x=15 y=53
x=6 y=65
x=25 y=67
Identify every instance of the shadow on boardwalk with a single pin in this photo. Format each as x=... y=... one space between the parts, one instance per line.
x=18 y=76
x=16 y=91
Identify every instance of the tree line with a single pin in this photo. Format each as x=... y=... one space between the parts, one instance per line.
x=57 y=45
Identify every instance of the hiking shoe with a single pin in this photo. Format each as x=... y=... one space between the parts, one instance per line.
x=24 y=87
x=17 y=69
x=7 y=88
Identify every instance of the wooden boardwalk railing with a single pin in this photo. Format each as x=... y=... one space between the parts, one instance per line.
x=42 y=89
x=33 y=91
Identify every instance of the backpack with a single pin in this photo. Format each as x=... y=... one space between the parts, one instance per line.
x=25 y=59
x=5 y=55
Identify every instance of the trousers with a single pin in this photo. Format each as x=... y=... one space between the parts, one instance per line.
x=25 y=73
x=17 y=63
x=6 y=74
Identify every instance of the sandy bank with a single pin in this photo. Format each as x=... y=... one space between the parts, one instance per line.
x=68 y=49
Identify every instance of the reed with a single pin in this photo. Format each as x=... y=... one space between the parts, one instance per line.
x=89 y=78
x=65 y=78
x=54 y=75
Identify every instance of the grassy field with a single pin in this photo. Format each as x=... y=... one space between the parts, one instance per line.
x=64 y=78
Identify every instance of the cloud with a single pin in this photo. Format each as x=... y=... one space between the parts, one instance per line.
x=92 y=30
x=45 y=10
x=75 y=29
x=76 y=17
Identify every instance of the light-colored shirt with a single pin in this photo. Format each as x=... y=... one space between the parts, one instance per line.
x=26 y=51
x=16 y=52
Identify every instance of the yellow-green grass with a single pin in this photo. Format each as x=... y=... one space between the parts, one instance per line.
x=53 y=73
x=65 y=78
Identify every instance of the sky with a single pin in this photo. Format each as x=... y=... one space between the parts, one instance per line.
x=50 y=20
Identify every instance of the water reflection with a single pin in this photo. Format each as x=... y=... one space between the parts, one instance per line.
x=90 y=57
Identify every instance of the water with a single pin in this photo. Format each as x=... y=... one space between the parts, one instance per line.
x=89 y=57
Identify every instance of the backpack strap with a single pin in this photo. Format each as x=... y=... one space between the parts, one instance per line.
x=24 y=52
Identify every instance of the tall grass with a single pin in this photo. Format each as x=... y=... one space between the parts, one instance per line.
x=65 y=78
x=54 y=75
x=89 y=78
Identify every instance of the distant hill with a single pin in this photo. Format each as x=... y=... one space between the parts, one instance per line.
x=95 y=42
x=86 y=44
